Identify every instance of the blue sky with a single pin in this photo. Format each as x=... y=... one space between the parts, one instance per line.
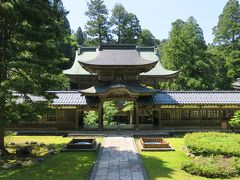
x=156 y=15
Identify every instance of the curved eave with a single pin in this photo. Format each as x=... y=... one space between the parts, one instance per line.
x=130 y=93
x=95 y=91
x=92 y=68
x=171 y=74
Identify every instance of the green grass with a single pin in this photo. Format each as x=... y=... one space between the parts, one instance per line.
x=167 y=165
x=63 y=165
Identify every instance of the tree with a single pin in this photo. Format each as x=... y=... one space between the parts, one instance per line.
x=125 y=25
x=90 y=117
x=110 y=109
x=80 y=36
x=31 y=36
x=146 y=38
x=132 y=31
x=119 y=21
x=219 y=69
x=186 y=50
x=97 y=28
x=235 y=121
x=69 y=44
x=227 y=39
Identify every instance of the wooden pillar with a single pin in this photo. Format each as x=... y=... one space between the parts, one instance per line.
x=155 y=118
x=200 y=116
x=159 y=119
x=100 y=116
x=130 y=118
x=136 y=115
x=77 y=119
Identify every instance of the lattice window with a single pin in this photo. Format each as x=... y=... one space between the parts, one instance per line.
x=69 y=115
x=52 y=116
x=185 y=115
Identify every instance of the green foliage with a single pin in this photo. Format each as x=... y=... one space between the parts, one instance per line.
x=227 y=30
x=118 y=21
x=186 y=50
x=31 y=35
x=235 y=121
x=147 y=38
x=220 y=79
x=90 y=117
x=128 y=106
x=227 y=42
x=125 y=25
x=213 y=143
x=97 y=27
x=80 y=36
x=110 y=109
x=213 y=166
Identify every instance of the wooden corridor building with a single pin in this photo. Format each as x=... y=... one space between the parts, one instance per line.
x=124 y=72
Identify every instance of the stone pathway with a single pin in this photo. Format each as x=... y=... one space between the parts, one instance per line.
x=119 y=160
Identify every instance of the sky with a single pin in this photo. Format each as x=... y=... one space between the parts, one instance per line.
x=156 y=15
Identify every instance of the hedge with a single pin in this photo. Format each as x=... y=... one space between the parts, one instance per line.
x=213 y=166
x=213 y=143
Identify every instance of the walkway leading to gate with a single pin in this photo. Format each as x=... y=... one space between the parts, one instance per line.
x=119 y=160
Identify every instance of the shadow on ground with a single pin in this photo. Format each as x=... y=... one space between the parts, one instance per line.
x=66 y=165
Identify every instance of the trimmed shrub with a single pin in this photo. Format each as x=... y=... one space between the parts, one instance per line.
x=213 y=166
x=213 y=143
x=235 y=121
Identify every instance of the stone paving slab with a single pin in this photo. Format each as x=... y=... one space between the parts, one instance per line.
x=119 y=160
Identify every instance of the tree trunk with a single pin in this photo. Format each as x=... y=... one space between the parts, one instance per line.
x=3 y=150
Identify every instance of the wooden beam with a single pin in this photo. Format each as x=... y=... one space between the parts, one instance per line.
x=159 y=119
x=100 y=116
x=136 y=115
x=77 y=119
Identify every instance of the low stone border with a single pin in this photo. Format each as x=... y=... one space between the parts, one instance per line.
x=81 y=150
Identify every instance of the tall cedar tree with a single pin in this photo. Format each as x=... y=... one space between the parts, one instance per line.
x=97 y=28
x=80 y=36
x=227 y=43
x=125 y=25
x=132 y=30
x=185 y=50
x=69 y=44
x=31 y=36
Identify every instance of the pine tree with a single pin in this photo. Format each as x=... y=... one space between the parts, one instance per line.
x=80 y=36
x=186 y=50
x=132 y=31
x=227 y=40
x=125 y=25
x=119 y=21
x=31 y=37
x=97 y=27
x=146 y=38
x=69 y=44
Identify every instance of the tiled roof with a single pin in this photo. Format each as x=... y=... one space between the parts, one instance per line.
x=122 y=56
x=131 y=87
x=65 y=98
x=118 y=57
x=193 y=98
x=74 y=98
